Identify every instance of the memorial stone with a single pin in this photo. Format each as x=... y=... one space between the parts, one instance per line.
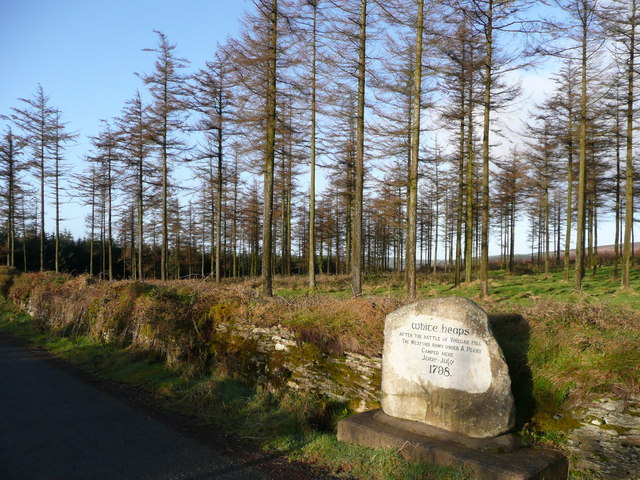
x=442 y=366
x=446 y=397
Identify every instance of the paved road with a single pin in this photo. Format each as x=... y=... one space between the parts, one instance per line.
x=56 y=426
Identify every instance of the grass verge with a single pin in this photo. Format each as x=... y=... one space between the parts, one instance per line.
x=298 y=427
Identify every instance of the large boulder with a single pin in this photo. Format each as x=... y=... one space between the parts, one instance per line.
x=442 y=366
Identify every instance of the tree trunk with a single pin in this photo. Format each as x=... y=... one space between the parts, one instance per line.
x=42 y=233
x=312 y=169
x=140 y=219
x=57 y=198
x=618 y=190
x=235 y=217
x=93 y=222
x=469 y=223
x=289 y=188
x=512 y=233
x=219 y=201
x=628 y=216
x=267 y=227
x=109 y=212
x=24 y=236
x=11 y=202
x=567 y=245
x=459 y=219
x=164 y=253
x=412 y=184
x=436 y=220
x=582 y=175
x=488 y=67
x=356 y=237
x=132 y=232
x=546 y=209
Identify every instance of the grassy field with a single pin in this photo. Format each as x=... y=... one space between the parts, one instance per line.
x=563 y=348
x=512 y=289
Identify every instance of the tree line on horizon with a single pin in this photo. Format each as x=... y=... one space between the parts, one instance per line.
x=401 y=104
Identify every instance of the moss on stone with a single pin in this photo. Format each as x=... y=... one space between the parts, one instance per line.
x=615 y=428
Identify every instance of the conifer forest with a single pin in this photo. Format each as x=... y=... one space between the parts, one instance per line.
x=346 y=137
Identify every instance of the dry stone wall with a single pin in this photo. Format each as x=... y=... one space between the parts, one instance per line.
x=279 y=358
x=607 y=442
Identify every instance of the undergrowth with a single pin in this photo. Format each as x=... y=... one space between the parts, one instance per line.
x=563 y=347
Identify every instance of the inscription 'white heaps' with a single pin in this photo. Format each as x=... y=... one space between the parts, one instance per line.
x=442 y=353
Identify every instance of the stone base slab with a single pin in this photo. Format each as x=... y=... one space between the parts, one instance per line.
x=500 y=444
x=368 y=430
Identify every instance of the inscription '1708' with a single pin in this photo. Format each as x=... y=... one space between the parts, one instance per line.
x=444 y=353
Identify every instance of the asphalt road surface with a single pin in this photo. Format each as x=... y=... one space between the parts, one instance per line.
x=57 y=425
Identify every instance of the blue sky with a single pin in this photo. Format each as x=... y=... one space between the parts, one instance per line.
x=85 y=54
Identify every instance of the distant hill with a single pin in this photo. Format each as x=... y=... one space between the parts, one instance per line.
x=606 y=251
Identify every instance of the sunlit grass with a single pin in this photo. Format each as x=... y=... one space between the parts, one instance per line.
x=507 y=288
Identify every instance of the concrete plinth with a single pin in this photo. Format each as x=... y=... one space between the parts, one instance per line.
x=376 y=430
